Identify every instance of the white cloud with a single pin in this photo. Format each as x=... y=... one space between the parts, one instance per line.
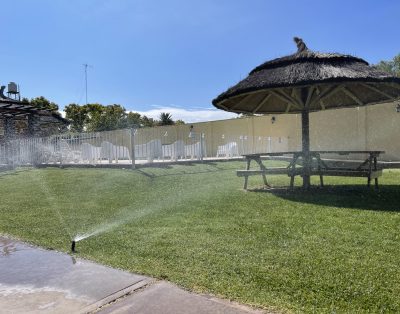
x=189 y=115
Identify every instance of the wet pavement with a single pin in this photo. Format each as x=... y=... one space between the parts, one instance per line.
x=34 y=280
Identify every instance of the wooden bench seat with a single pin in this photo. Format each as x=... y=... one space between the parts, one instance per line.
x=246 y=173
x=343 y=172
x=270 y=171
x=348 y=173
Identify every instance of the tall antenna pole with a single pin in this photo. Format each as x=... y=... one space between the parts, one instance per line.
x=86 y=67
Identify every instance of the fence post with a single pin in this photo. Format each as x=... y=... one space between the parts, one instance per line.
x=61 y=151
x=201 y=146
x=133 y=147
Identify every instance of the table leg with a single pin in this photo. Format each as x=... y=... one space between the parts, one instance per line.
x=370 y=170
x=292 y=169
x=375 y=168
x=319 y=162
x=262 y=167
x=246 y=178
x=265 y=179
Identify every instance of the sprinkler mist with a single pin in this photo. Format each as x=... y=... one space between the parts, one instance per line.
x=73 y=246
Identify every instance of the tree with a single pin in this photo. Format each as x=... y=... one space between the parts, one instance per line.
x=43 y=103
x=179 y=122
x=165 y=119
x=97 y=117
x=78 y=116
x=133 y=119
x=105 y=118
x=392 y=66
x=147 y=122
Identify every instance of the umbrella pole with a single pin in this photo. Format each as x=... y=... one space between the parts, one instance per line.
x=305 y=138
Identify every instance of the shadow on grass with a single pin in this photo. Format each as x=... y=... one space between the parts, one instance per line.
x=213 y=168
x=14 y=172
x=387 y=198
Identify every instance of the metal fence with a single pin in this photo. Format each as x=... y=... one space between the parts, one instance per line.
x=134 y=146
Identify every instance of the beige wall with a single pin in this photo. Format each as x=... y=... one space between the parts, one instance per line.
x=383 y=130
x=374 y=127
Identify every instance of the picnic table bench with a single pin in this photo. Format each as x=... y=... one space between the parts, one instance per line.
x=368 y=168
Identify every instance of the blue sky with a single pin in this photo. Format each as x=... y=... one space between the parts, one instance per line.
x=175 y=56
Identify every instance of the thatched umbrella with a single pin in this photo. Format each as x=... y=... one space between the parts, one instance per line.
x=309 y=81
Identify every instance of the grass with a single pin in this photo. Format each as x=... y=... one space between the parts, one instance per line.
x=328 y=250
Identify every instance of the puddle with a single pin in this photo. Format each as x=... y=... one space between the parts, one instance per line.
x=7 y=247
x=40 y=302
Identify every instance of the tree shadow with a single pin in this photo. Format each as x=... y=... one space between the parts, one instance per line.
x=14 y=172
x=386 y=198
x=186 y=169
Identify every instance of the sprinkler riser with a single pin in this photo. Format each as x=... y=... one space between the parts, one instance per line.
x=73 y=246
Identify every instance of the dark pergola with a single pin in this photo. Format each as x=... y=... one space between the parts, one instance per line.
x=12 y=110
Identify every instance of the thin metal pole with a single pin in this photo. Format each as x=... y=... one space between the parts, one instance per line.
x=86 y=65
x=86 y=80
x=133 y=147
x=201 y=146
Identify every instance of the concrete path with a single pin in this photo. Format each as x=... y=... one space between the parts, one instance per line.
x=33 y=280
x=166 y=298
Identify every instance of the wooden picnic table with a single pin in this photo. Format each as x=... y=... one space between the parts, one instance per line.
x=367 y=168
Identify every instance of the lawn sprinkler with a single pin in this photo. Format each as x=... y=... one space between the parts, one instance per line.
x=73 y=246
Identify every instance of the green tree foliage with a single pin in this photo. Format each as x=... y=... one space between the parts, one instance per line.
x=43 y=103
x=96 y=117
x=148 y=122
x=133 y=119
x=392 y=66
x=179 y=122
x=78 y=116
x=105 y=118
x=165 y=119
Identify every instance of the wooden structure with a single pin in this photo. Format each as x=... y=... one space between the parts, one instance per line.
x=367 y=169
x=12 y=111
x=309 y=81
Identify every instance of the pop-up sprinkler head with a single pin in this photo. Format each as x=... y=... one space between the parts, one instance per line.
x=73 y=246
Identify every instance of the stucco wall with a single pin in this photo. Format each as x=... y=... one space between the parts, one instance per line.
x=374 y=127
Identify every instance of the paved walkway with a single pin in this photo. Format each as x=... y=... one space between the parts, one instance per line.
x=33 y=280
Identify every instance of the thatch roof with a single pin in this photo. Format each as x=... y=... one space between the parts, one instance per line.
x=336 y=80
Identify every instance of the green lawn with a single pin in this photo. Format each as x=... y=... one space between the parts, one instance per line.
x=330 y=250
